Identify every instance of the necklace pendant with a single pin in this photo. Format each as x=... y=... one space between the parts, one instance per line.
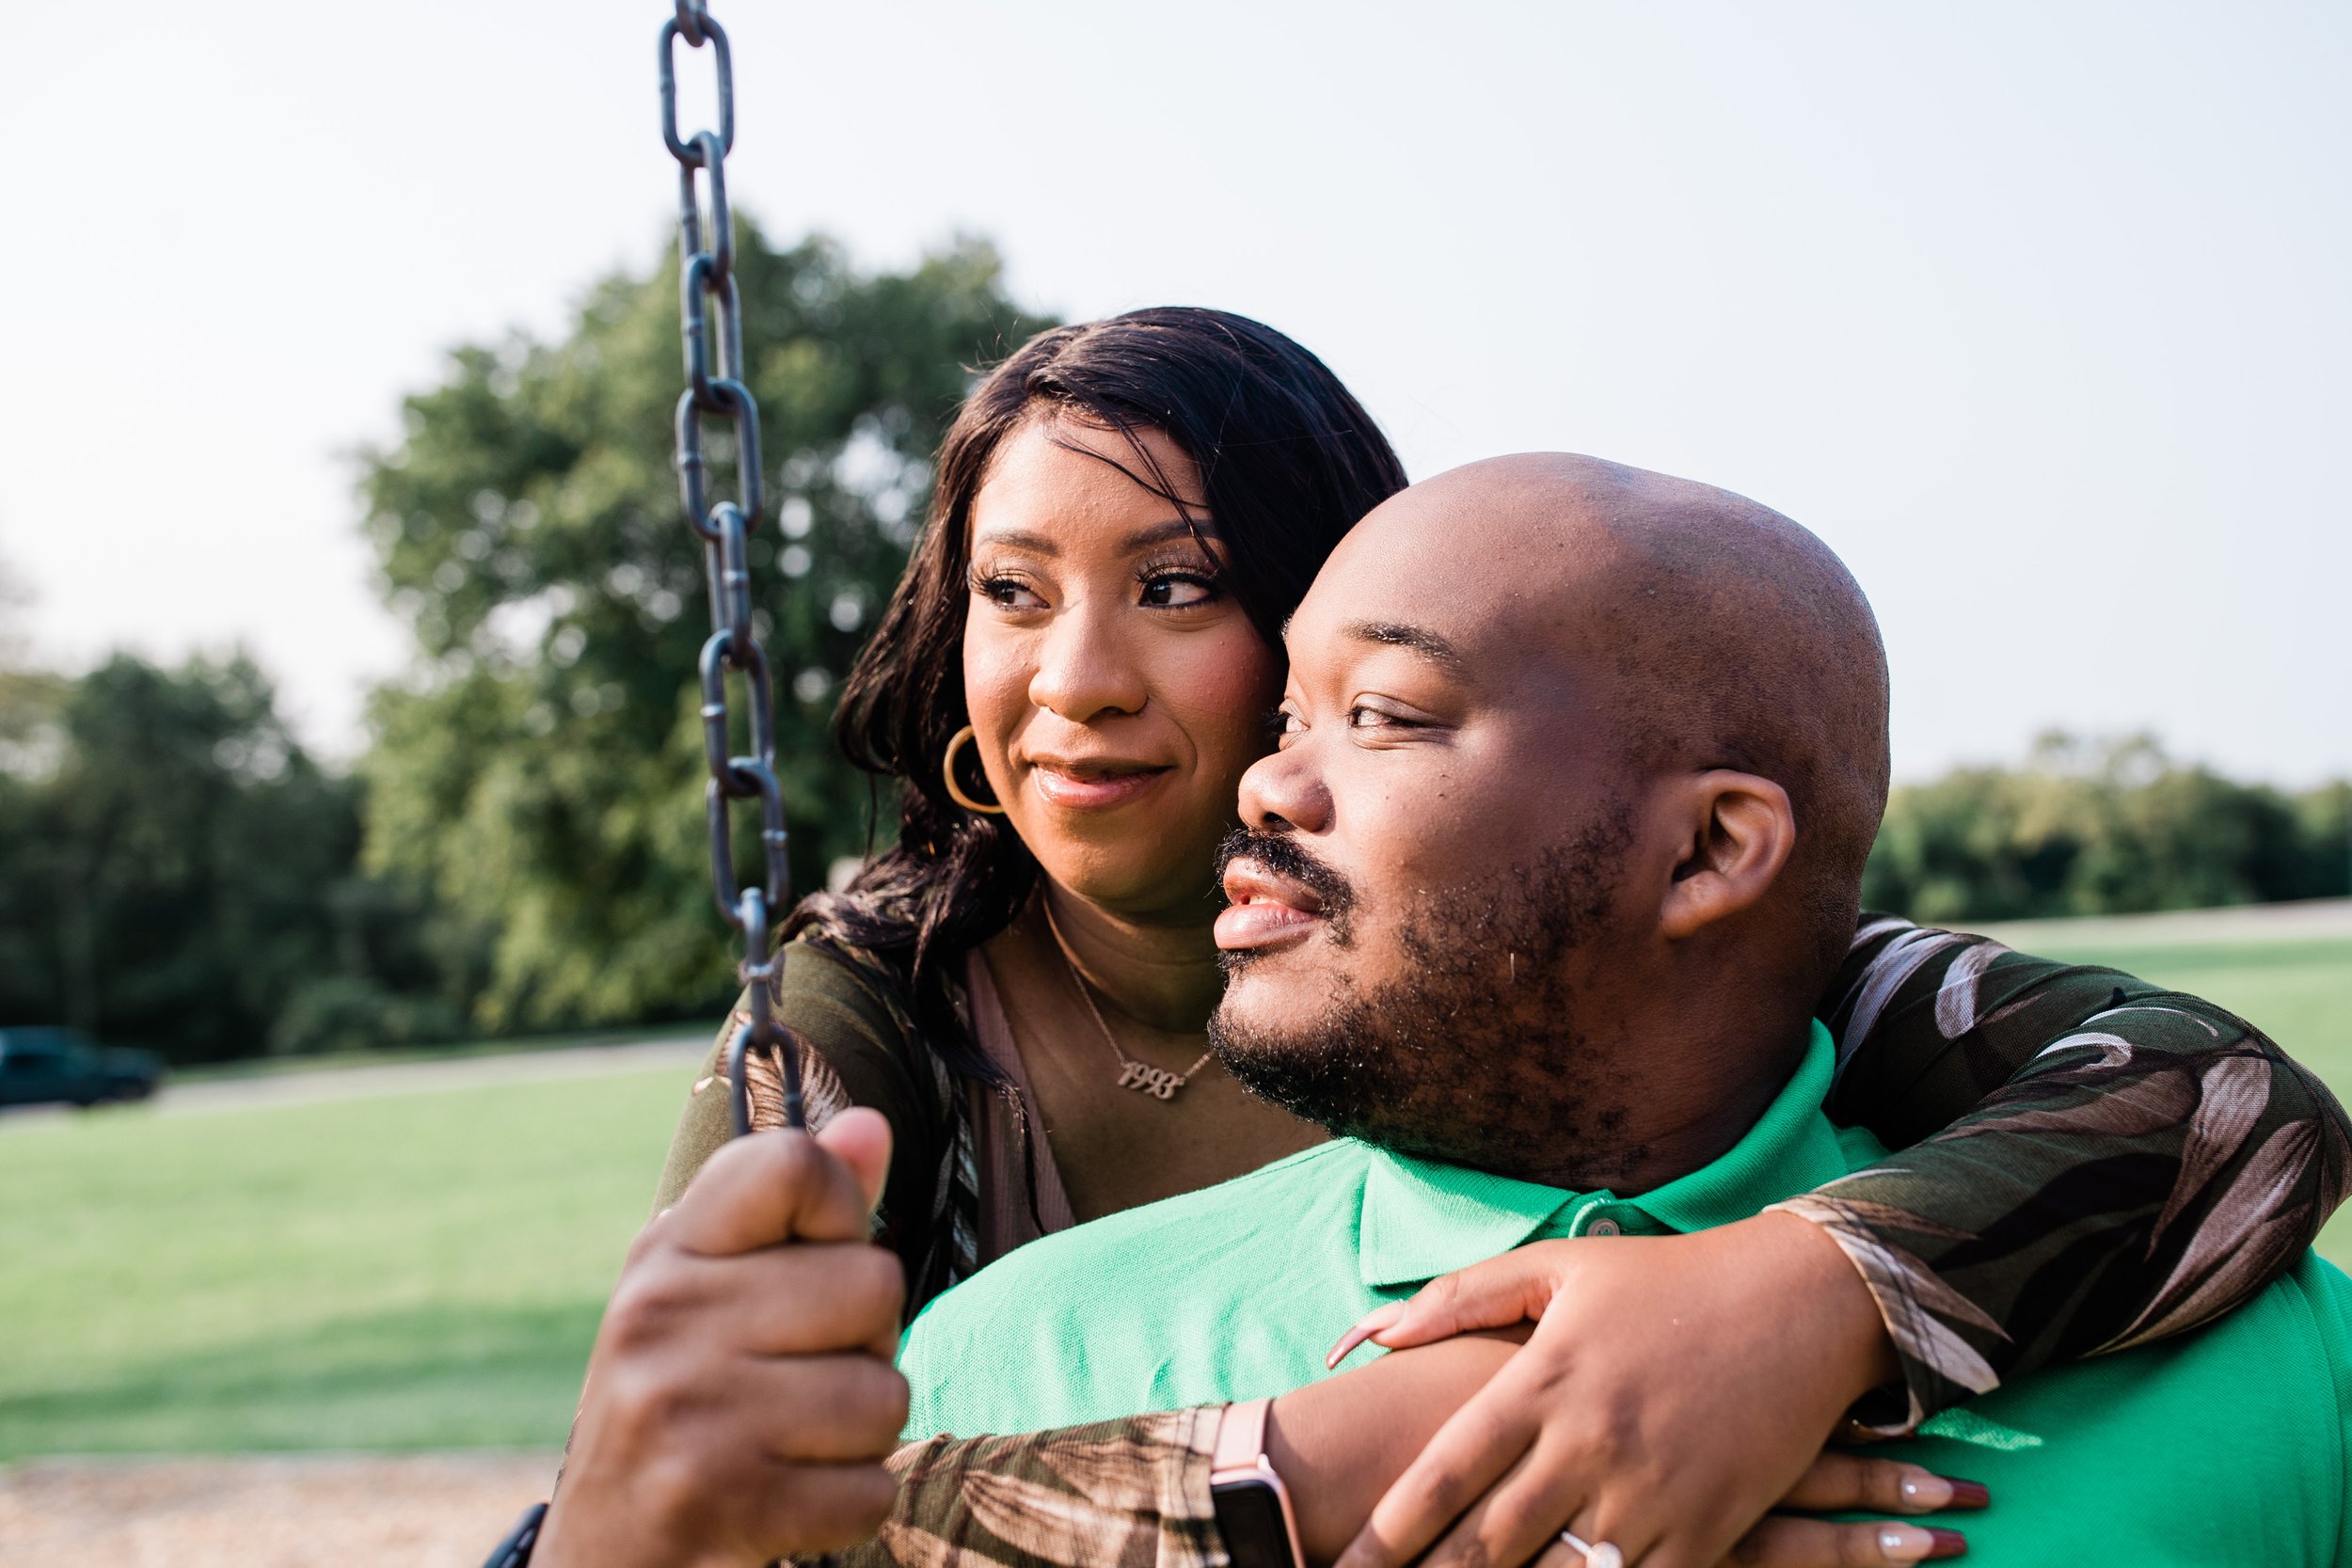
x=1158 y=1083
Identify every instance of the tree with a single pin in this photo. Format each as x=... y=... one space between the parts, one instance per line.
x=540 y=767
x=172 y=856
x=2102 y=827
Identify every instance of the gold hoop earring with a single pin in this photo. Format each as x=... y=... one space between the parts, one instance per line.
x=955 y=790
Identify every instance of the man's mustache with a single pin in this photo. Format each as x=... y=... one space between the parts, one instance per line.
x=1283 y=856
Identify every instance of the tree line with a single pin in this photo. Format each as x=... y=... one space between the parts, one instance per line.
x=521 y=847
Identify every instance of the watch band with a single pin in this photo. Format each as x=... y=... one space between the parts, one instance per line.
x=515 y=1551
x=1253 y=1507
x=1241 y=1437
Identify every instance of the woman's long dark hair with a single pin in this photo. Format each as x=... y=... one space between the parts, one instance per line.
x=1289 y=461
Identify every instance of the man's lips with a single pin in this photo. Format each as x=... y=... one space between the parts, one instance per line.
x=1263 y=909
x=1092 y=783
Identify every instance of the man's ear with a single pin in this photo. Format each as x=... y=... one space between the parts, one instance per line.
x=1739 y=833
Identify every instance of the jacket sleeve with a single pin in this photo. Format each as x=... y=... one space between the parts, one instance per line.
x=2081 y=1162
x=1132 y=1492
x=858 y=1052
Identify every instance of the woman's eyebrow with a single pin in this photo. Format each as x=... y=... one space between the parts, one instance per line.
x=1174 y=528
x=1141 y=539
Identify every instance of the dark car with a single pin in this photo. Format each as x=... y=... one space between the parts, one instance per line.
x=48 y=1066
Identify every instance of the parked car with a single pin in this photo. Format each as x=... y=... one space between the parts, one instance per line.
x=46 y=1065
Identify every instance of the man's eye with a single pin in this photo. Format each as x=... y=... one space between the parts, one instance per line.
x=1363 y=718
x=1286 y=724
x=1177 y=590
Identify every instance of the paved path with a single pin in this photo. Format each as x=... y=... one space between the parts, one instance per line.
x=2309 y=919
x=461 y=1072
x=407 y=1510
x=678 y=1053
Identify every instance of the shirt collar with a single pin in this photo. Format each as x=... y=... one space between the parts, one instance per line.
x=1422 y=1218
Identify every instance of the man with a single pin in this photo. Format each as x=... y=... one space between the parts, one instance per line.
x=1580 y=768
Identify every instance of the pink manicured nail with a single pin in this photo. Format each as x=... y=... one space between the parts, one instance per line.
x=1916 y=1544
x=1366 y=1326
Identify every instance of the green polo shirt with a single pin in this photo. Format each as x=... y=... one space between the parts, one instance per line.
x=2230 y=1445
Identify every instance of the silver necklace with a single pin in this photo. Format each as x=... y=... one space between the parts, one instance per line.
x=1142 y=1077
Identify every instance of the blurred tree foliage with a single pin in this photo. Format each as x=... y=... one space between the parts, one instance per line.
x=2103 y=828
x=540 y=768
x=179 y=872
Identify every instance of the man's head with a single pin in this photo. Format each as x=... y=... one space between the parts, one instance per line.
x=1579 y=770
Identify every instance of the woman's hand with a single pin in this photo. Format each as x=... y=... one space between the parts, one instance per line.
x=1849 y=1484
x=1674 y=1390
x=741 y=1399
x=1843 y=1483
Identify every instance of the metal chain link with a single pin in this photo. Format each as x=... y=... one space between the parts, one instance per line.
x=711 y=325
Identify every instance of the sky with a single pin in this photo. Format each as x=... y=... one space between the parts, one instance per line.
x=2038 y=313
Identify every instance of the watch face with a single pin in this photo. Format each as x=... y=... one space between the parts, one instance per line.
x=1249 y=1516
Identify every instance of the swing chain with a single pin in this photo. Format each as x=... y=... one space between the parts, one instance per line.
x=710 y=326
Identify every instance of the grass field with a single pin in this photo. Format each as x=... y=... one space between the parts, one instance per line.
x=413 y=1271
x=426 y=1270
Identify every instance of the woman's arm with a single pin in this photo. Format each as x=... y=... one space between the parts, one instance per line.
x=1136 y=1490
x=859 y=1053
x=2083 y=1161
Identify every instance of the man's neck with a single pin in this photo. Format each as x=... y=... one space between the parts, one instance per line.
x=1696 y=1092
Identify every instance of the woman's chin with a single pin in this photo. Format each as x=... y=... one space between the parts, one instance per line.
x=1113 y=876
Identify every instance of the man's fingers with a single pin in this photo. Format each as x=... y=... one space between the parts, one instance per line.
x=1844 y=1480
x=859 y=1136
x=1481 y=1441
x=806 y=1299
x=828 y=1409
x=820 y=1508
x=767 y=1188
x=1783 y=1541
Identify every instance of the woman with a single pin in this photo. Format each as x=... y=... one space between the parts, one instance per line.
x=1073 y=674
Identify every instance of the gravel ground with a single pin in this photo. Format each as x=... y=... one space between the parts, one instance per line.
x=410 y=1511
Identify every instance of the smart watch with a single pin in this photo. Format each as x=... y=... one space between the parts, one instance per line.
x=515 y=1551
x=1253 y=1508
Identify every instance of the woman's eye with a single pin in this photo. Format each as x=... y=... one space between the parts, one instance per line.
x=1177 y=590
x=1008 y=592
x=1286 y=724
x=1363 y=718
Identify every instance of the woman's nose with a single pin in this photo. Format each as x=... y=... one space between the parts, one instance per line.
x=1085 y=671
x=1284 y=792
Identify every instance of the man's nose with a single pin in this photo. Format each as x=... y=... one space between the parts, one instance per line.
x=1284 y=792
x=1085 y=670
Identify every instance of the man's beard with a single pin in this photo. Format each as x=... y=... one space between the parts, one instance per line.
x=1474 y=1055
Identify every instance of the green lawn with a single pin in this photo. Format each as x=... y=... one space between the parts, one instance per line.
x=425 y=1270
x=413 y=1271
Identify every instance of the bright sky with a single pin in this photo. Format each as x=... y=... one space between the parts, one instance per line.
x=2038 y=313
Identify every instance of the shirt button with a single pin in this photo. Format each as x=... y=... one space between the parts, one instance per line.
x=1602 y=1227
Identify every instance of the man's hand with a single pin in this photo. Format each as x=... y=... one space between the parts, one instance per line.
x=740 y=1397
x=1674 y=1389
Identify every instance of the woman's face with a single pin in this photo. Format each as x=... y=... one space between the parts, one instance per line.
x=1116 y=693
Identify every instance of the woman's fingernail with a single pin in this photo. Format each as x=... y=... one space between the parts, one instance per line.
x=1918 y=1543
x=1366 y=1326
x=1924 y=1492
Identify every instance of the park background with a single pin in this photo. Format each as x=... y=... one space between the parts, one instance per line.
x=347 y=623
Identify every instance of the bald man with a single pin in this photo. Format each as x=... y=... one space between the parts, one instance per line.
x=1579 y=769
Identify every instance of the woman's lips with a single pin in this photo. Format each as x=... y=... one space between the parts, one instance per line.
x=1265 y=910
x=1091 y=790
